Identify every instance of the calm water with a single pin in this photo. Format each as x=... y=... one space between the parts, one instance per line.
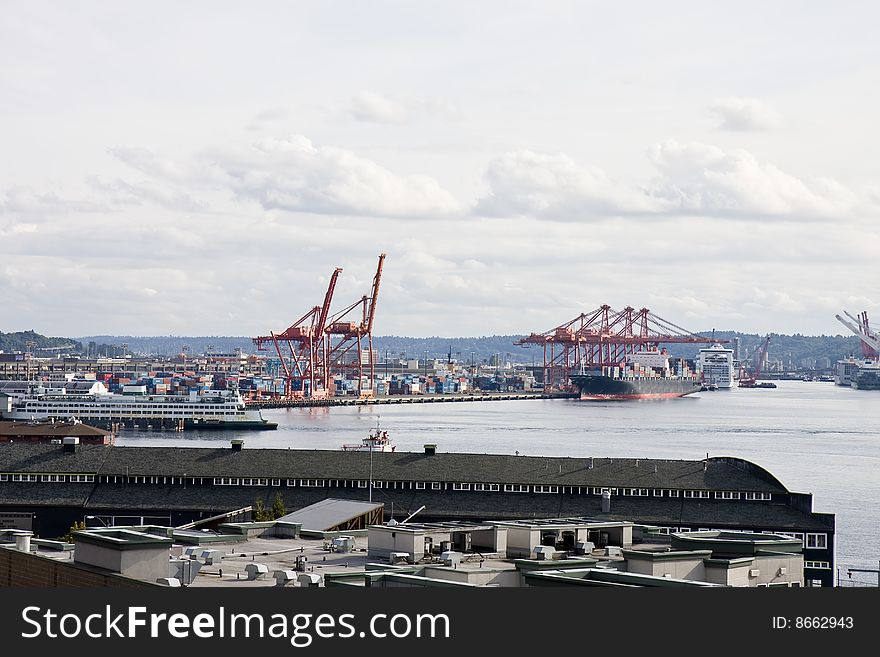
x=815 y=437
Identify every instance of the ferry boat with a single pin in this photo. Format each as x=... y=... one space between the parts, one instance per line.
x=716 y=364
x=211 y=409
x=644 y=375
x=376 y=441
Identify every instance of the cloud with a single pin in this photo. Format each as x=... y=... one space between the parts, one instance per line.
x=378 y=109
x=692 y=179
x=554 y=186
x=295 y=175
x=24 y=202
x=122 y=193
x=743 y=114
x=704 y=179
x=375 y=108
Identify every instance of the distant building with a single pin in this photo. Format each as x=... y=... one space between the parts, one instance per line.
x=52 y=432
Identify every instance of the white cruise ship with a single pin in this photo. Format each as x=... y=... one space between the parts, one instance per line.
x=846 y=371
x=212 y=409
x=716 y=364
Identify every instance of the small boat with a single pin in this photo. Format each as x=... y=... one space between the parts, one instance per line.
x=752 y=383
x=708 y=386
x=376 y=441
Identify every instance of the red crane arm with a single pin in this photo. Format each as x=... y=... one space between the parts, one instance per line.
x=328 y=298
x=374 y=296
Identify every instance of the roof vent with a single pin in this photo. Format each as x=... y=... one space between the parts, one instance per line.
x=70 y=444
x=237 y=444
x=430 y=450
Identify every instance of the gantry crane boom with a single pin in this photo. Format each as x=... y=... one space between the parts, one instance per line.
x=866 y=335
x=374 y=295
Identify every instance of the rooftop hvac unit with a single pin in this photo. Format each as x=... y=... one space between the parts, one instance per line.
x=450 y=558
x=613 y=551
x=309 y=579
x=754 y=572
x=782 y=571
x=168 y=581
x=544 y=552
x=285 y=577
x=256 y=570
x=210 y=556
x=184 y=570
x=584 y=547
x=342 y=544
x=398 y=557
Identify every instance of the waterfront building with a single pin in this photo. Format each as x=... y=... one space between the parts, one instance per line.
x=56 y=486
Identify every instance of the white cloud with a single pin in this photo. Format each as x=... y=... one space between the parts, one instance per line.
x=372 y=107
x=377 y=108
x=700 y=178
x=743 y=114
x=25 y=202
x=294 y=175
x=121 y=193
x=554 y=186
x=693 y=178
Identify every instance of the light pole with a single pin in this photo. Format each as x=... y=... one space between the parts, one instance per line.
x=99 y=519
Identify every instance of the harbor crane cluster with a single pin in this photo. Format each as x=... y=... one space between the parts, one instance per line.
x=320 y=344
x=603 y=337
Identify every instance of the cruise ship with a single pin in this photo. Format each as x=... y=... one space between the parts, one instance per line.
x=212 y=409
x=846 y=370
x=716 y=364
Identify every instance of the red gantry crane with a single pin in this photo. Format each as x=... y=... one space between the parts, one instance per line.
x=749 y=378
x=350 y=342
x=603 y=337
x=305 y=369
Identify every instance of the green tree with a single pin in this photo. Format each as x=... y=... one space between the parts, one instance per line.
x=260 y=513
x=77 y=526
x=278 y=508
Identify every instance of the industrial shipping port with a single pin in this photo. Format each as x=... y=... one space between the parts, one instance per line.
x=327 y=358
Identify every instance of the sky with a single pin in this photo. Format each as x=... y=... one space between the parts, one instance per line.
x=201 y=168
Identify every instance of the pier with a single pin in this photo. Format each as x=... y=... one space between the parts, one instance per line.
x=406 y=399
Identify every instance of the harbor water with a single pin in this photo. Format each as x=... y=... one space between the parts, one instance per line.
x=815 y=437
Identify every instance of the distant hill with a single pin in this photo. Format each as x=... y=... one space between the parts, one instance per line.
x=785 y=348
x=11 y=342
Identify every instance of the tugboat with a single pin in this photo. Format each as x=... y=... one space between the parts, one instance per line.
x=376 y=441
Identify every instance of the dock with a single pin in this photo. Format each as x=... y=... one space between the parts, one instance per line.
x=407 y=399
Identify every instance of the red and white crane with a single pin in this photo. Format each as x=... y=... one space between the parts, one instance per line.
x=350 y=342
x=870 y=339
x=305 y=368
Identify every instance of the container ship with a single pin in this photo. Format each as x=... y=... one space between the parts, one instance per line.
x=867 y=377
x=644 y=375
x=211 y=409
